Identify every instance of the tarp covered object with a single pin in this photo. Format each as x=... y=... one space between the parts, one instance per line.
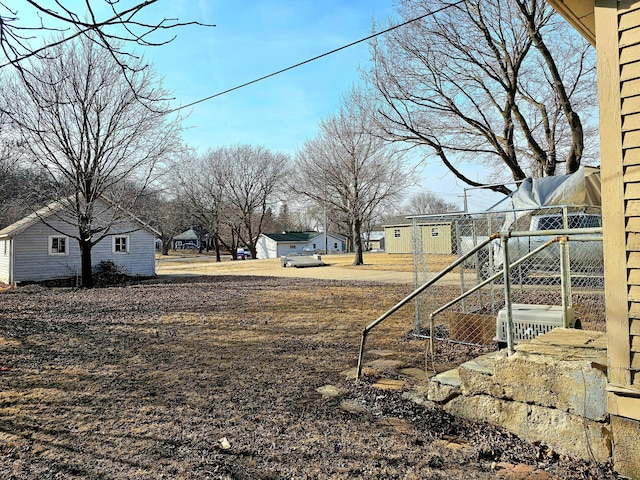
x=581 y=188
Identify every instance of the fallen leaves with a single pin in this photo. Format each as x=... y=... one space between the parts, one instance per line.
x=228 y=377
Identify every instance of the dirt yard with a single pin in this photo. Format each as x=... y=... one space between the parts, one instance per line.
x=233 y=377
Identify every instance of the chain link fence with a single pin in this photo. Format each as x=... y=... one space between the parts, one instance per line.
x=535 y=284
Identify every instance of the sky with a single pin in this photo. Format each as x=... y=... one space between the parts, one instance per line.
x=254 y=38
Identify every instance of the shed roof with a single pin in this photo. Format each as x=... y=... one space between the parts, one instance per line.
x=54 y=208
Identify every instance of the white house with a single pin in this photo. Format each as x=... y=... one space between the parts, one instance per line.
x=275 y=245
x=40 y=247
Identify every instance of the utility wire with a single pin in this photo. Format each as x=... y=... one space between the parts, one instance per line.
x=316 y=57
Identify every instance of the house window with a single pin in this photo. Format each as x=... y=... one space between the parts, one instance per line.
x=121 y=244
x=314 y=246
x=435 y=231
x=58 y=245
x=396 y=232
x=292 y=247
x=335 y=246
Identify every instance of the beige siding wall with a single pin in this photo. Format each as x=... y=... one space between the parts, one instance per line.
x=398 y=239
x=436 y=238
x=618 y=51
x=629 y=50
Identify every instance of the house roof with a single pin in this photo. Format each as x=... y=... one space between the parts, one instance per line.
x=300 y=237
x=423 y=222
x=292 y=237
x=580 y=14
x=52 y=209
x=190 y=234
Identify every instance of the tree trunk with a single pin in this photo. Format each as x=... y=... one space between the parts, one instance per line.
x=85 y=258
x=357 y=242
x=216 y=246
x=574 y=157
x=166 y=243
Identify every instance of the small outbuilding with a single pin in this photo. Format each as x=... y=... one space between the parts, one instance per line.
x=373 y=241
x=276 y=245
x=41 y=246
x=436 y=236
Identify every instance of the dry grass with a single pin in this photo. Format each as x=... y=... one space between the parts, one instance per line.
x=372 y=261
x=146 y=381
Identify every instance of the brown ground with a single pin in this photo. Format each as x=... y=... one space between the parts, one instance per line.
x=217 y=377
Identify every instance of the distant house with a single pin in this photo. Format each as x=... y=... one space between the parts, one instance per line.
x=40 y=247
x=275 y=245
x=436 y=237
x=373 y=240
x=189 y=239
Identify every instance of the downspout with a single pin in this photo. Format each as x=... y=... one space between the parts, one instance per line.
x=11 y=261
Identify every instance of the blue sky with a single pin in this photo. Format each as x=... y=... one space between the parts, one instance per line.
x=253 y=38
x=256 y=38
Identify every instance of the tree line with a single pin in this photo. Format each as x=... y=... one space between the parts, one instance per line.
x=485 y=82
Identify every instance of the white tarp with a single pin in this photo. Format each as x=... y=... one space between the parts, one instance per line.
x=581 y=188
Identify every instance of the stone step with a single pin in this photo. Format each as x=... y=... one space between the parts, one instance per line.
x=557 y=370
x=444 y=386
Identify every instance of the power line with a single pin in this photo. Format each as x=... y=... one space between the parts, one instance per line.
x=313 y=59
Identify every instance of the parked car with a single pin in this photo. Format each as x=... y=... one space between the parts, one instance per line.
x=243 y=253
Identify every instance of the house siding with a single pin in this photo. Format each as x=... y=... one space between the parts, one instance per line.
x=267 y=247
x=31 y=260
x=629 y=51
x=440 y=244
x=618 y=57
x=285 y=249
x=138 y=261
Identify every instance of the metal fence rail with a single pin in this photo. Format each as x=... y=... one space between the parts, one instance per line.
x=549 y=266
x=535 y=279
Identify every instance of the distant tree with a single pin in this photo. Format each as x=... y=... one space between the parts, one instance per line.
x=254 y=177
x=22 y=188
x=348 y=171
x=199 y=187
x=163 y=211
x=426 y=202
x=479 y=81
x=284 y=221
x=94 y=133
x=231 y=191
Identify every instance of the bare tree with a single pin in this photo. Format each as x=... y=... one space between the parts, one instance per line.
x=94 y=133
x=253 y=179
x=21 y=188
x=122 y=25
x=199 y=191
x=426 y=202
x=231 y=190
x=473 y=83
x=531 y=11
x=160 y=209
x=348 y=171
